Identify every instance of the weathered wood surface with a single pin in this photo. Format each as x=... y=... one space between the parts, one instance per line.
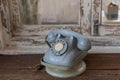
x=108 y=29
x=14 y=13
x=49 y=11
x=22 y=67
x=85 y=16
x=105 y=41
x=1 y=34
x=28 y=11
x=59 y=11
x=37 y=30
x=96 y=8
x=5 y=28
x=25 y=37
x=5 y=14
x=32 y=74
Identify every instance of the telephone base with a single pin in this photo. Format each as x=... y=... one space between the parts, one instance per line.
x=76 y=70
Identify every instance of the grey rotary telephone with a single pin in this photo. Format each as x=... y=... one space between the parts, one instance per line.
x=65 y=56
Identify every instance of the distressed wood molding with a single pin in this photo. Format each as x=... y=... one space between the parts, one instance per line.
x=96 y=16
x=85 y=18
x=18 y=38
x=1 y=36
x=5 y=28
x=14 y=13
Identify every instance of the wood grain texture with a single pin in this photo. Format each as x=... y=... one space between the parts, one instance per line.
x=109 y=30
x=32 y=74
x=38 y=30
x=15 y=18
x=5 y=28
x=49 y=12
x=93 y=61
x=85 y=18
x=5 y=15
x=105 y=41
x=22 y=67
x=96 y=15
x=31 y=38
x=1 y=37
x=28 y=11
x=0 y=45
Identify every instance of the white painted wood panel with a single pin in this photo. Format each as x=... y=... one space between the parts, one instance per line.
x=29 y=39
x=86 y=16
x=49 y=11
x=5 y=23
x=96 y=15
x=58 y=11
x=1 y=35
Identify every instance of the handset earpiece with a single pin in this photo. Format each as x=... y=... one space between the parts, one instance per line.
x=84 y=44
x=51 y=37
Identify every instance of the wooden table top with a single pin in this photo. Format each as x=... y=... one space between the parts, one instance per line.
x=23 y=67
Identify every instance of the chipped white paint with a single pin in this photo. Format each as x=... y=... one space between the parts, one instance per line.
x=28 y=11
x=109 y=30
x=96 y=8
x=5 y=32
x=15 y=18
x=85 y=9
x=5 y=15
x=1 y=36
x=105 y=50
x=105 y=41
x=30 y=39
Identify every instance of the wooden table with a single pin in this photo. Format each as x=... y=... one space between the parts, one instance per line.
x=22 y=67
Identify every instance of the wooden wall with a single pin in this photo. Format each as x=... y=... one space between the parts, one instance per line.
x=49 y=11
x=28 y=11
x=5 y=23
x=0 y=34
x=25 y=24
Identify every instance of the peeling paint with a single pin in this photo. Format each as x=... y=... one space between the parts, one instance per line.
x=33 y=36
x=14 y=14
x=0 y=45
x=85 y=9
x=106 y=41
x=5 y=16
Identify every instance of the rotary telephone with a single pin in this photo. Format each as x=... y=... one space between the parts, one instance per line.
x=65 y=46
x=65 y=56
x=61 y=40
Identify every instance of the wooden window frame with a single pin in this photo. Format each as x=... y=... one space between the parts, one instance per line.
x=24 y=45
